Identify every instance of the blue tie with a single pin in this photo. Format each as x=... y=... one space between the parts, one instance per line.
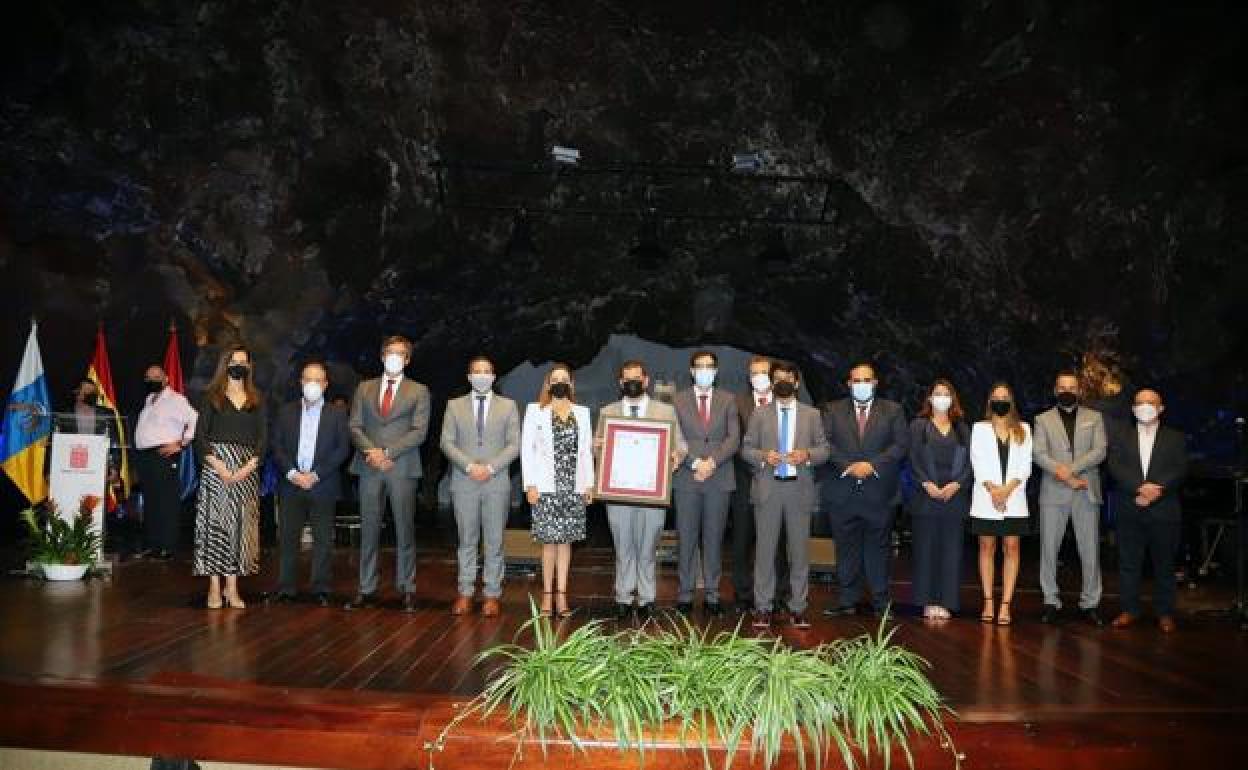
x=785 y=470
x=480 y=419
x=634 y=408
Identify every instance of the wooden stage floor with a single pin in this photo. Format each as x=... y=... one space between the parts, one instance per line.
x=133 y=666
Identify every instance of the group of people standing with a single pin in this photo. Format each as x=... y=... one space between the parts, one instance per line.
x=762 y=459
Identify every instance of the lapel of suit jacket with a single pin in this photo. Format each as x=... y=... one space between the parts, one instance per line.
x=322 y=432
x=1057 y=427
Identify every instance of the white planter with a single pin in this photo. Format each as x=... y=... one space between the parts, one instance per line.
x=63 y=571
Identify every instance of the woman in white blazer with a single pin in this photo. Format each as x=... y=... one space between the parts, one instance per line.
x=557 y=466
x=1001 y=463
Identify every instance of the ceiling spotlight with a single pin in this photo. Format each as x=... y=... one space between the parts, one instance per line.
x=567 y=156
x=747 y=162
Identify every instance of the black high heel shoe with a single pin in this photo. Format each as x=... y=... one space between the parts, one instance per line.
x=567 y=611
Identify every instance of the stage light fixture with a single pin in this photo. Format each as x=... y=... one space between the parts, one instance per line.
x=567 y=156
x=747 y=162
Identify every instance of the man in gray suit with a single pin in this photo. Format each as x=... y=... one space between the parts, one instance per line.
x=389 y=421
x=784 y=443
x=480 y=438
x=636 y=528
x=1069 y=446
x=704 y=483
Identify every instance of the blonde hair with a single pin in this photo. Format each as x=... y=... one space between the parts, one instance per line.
x=1012 y=419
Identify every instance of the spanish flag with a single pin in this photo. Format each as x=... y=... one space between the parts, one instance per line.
x=27 y=424
x=99 y=372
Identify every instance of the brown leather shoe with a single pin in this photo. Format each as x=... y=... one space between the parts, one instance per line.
x=1123 y=620
x=462 y=606
x=1166 y=624
x=490 y=608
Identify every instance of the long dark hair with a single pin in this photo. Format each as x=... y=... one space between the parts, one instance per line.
x=955 y=411
x=215 y=394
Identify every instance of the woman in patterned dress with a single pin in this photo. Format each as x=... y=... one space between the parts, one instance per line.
x=230 y=440
x=557 y=463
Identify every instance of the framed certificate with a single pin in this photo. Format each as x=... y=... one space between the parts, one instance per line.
x=636 y=462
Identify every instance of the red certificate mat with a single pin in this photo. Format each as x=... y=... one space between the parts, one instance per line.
x=636 y=462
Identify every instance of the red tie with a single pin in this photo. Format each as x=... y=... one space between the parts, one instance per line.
x=387 y=400
x=703 y=411
x=862 y=421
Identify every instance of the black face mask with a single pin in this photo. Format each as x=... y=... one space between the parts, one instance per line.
x=632 y=388
x=237 y=371
x=1066 y=399
x=1000 y=408
x=90 y=399
x=153 y=386
x=783 y=389
x=560 y=390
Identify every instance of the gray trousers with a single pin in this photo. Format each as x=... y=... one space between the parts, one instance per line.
x=402 y=493
x=635 y=531
x=480 y=516
x=701 y=514
x=294 y=508
x=1086 y=517
x=782 y=512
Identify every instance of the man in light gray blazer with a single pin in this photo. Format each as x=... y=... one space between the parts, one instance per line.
x=1069 y=446
x=783 y=444
x=704 y=483
x=389 y=421
x=480 y=438
x=636 y=528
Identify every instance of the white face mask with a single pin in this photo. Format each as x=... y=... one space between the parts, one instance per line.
x=1145 y=413
x=312 y=392
x=760 y=382
x=704 y=377
x=942 y=403
x=481 y=383
x=394 y=364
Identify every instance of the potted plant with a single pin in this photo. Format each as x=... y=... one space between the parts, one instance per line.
x=63 y=550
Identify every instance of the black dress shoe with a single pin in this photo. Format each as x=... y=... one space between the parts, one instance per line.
x=1049 y=615
x=623 y=611
x=163 y=555
x=409 y=601
x=281 y=597
x=714 y=609
x=322 y=599
x=843 y=611
x=684 y=608
x=1092 y=616
x=645 y=612
x=741 y=608
x=762 y=620
x=362 y=602
x=799 y=621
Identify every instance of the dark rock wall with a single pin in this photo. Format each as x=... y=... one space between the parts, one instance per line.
x=1007 y=186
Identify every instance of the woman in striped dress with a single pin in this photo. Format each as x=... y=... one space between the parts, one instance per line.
x=230 y=440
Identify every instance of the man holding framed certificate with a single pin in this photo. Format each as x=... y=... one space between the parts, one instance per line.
x=640 y=442
x=783 y=444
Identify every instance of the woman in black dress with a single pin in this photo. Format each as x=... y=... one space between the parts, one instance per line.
x=1001 y=464
x=940 y=461
x=230 y=440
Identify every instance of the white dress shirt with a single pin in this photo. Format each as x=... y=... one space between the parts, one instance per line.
x=1148 y=437
x=309 y=427
x=381 y=392
x=641 y=404
x=167 y=417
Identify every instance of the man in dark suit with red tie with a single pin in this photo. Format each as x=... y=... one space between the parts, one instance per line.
x=869 y=439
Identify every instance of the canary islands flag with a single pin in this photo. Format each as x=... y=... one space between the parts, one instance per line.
x=27 y=425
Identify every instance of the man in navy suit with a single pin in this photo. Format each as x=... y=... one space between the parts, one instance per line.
x=310 y=445
x=869 y=439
